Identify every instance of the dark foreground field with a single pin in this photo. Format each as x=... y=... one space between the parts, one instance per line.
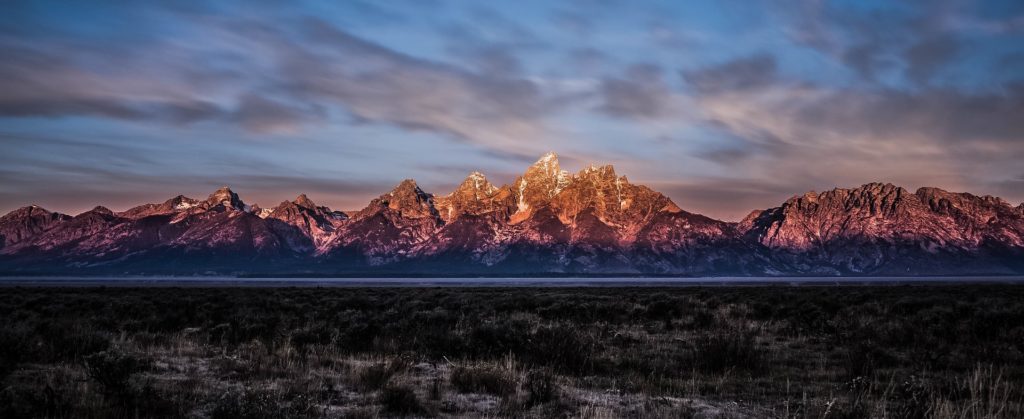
x=800 y=352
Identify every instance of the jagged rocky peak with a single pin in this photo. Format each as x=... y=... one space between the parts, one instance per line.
x=966 y=206
x=543 y=180
x=28 y=211
x=547 y=172
x=595 y=171
x=26 y=222
x=408 y=187
x=594 y=186
x=99 y=209
x=181 y=202
x=303 y=201
x=883 y=213
x=475 y=195
x=288 y=209
x=226 y=197
x=408 y=199
x=876 y=199
x=748 y=222
x=260 y=211
x=97 y=214
x=807 y=221
x=598 y=190
x=600 y=179
x=475 y=186
x=174 y=205
x=935 y=197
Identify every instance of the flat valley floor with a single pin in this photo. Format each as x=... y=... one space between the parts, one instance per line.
x=907 y=351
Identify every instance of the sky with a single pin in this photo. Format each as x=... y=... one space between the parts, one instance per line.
x=724 y=106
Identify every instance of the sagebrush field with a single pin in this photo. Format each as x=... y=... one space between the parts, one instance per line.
x=776 y=351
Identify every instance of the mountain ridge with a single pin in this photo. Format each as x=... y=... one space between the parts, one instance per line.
x=546 y=221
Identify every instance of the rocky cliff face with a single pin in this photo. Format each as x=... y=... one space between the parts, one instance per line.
x=476 y=196
x=386 y=230
x=315 y=223
x=171 y=206
x=882 y=228
x=25 y=223
x=535 y=188
x=546 y=221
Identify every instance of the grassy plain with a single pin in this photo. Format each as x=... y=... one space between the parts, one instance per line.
x=769 y=351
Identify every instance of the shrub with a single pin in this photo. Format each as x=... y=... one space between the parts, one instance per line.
x=13 y=342
x=113 y=369
x=68 y=342
x=29 y=402
x=401 y=400
x=482 y=380
x=238 y=405
x=913 y=398
x=378 y=375
x=565 y=348
x=540 y=387
x=734 y=349
x=259 y=405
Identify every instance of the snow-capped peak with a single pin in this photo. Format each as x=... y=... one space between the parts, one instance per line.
x=477 y=182
x=184 y=205
x=547 y=167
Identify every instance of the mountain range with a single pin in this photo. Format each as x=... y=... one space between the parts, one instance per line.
x=548 y=221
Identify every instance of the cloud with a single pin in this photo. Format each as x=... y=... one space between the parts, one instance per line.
x=740 y=74
x=907 y=44
x=260 y=114
x=277 y=78
x=377 y=84
x=803 y=133
x=490 y=43
x=807 y=93
x=573 y=22
x=928 y=55
x=73 y=173
x=642 y=93
x=50 y=82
